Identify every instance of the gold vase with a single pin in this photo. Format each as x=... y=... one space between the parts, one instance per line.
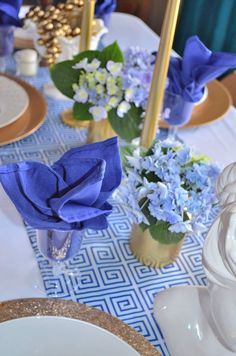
x=99 y=131
x=68 y=119
x=151 y=252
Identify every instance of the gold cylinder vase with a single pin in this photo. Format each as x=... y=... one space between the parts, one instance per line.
x=151 y=252
x=68 y=119
x=100 y=131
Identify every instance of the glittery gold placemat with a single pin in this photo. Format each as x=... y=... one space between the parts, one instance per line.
x=44 y=307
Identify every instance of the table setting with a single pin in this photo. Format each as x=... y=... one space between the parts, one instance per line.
x=117 y=204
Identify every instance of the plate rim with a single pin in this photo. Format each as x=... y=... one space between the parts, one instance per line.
x=28 y=87
x=20 y=308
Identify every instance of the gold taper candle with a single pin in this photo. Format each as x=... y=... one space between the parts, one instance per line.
x=86 y=26
x=156 y=96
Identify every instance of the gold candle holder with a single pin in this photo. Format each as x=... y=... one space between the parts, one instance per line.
x=151 y=252
x=155 y=100
x=86 y=27
x=147 y=250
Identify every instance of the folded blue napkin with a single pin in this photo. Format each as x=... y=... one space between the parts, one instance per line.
x=104 y=8
x=188 y=75
x=9 y=10
x=70 y=195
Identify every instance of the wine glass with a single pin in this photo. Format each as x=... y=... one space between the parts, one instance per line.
x=6 y=45
x=59 y=247
x=176 y=112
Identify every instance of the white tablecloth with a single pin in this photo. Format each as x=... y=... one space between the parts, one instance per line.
x=19 y=274
x=217 y=140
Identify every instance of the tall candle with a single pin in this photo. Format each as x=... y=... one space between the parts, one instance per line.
x=156 y=96
x=87 y=25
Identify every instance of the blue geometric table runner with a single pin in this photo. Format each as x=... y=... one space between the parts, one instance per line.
x=111 y=279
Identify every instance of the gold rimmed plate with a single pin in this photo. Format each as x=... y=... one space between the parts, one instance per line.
x=215 y=106
x=31 y=119
x=50 y=325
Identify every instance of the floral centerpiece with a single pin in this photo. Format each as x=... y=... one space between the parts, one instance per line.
x=168 y=192
x=107 y=85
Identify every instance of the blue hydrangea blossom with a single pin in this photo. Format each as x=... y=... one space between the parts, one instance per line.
x=169 y=184
x=118 y=85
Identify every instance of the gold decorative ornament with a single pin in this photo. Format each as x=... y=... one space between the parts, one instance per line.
x=40 y=31
x=61 y=6
x=69 y=7
x=41 y=13
x=51 y=8
x=34 y=18
x=40 y=41
x=49 y=26
x=76 y=31
x=63 y=20
x=37 y=9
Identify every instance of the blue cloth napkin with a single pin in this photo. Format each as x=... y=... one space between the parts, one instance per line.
x=188 y=75
x=104 y=8
x=70 y=195
x=9 y=10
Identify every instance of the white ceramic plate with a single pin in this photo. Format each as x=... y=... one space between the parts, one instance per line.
x=59 y=336
x=183 y=314
x=13 y=101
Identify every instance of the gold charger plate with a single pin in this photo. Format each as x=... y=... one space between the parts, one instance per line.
x=30 y=120
x=215 y=106
x=20 y=308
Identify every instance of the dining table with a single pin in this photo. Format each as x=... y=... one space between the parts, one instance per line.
x=110 y=277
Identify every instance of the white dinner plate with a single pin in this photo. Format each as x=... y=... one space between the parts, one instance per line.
x=59 y=336
x=13 y=101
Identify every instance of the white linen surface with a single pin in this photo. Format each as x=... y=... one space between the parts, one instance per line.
x=217 y=140
x=129 y=30
x=19 y=272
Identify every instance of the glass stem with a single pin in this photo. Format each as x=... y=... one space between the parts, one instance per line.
x=2 y=64
x=172 y=133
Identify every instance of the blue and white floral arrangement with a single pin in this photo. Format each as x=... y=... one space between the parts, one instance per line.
x=169 y=190
x=109 y=85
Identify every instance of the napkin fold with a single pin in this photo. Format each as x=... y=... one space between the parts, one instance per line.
x=9 y=10
x=70 y=195
x=188 y=75
x=104 y=8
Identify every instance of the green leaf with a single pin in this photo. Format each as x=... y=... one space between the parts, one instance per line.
x=126 y=150
x=81 y=111
x=87 y=54
x=63 y=76
x=144 y=204
x=160 y=232
x=126 y=127
x=143 y=227
x=151 y=176
x=111 y=53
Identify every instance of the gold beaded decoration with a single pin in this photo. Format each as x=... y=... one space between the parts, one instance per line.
x=62 y=20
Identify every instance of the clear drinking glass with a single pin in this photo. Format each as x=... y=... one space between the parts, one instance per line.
x=59 y=247
x=176 y=112
x=6 y=45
